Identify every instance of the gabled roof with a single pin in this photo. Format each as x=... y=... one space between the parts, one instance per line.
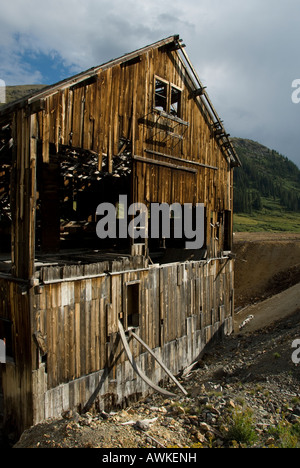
x=172 y=41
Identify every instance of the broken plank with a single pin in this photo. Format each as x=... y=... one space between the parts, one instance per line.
x=168 y=372
x=135 y=367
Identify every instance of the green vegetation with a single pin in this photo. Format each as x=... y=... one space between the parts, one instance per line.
x=242 y=427
x=277 y=221
x=266 y=190
x=286 y=435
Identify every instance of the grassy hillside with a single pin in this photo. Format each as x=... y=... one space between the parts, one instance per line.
x=13 y=93
x=267 y=190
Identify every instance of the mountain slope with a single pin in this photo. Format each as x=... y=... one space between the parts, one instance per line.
x=13 y=93
x=266 y=189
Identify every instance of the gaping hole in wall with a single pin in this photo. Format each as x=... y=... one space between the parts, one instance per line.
x=163 y=231
x=133 y=305
x=5 y=174
x=69 y=189
x=6 y=335
x=170 y=234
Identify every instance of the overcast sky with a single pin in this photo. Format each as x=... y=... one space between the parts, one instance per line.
x=246 y=52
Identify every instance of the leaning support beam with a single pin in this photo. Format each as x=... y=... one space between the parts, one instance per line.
x=159 y=362
x=135 y=367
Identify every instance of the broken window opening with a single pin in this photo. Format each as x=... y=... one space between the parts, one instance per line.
x=6 y=336
x=169 y=241
x=170 y=233
x=161 y=95
x=175 y=102
x=133 y=305
x=167 y=98
x=69 y=189
x=44 y=361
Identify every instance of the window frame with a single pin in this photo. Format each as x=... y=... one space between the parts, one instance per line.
x=168 y=107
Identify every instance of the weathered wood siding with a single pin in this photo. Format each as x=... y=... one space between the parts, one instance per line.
x=183 y=303
x=17 y=372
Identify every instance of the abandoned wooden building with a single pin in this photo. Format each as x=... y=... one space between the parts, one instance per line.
x=77 y=311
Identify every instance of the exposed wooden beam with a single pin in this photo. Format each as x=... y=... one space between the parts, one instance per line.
x=162 y=163
x=199 y=92
x=195 y=163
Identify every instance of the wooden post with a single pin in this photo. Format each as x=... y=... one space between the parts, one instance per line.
x=23 y=194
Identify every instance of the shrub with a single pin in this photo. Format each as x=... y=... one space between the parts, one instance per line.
x=241 y=428
x=286 y=435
